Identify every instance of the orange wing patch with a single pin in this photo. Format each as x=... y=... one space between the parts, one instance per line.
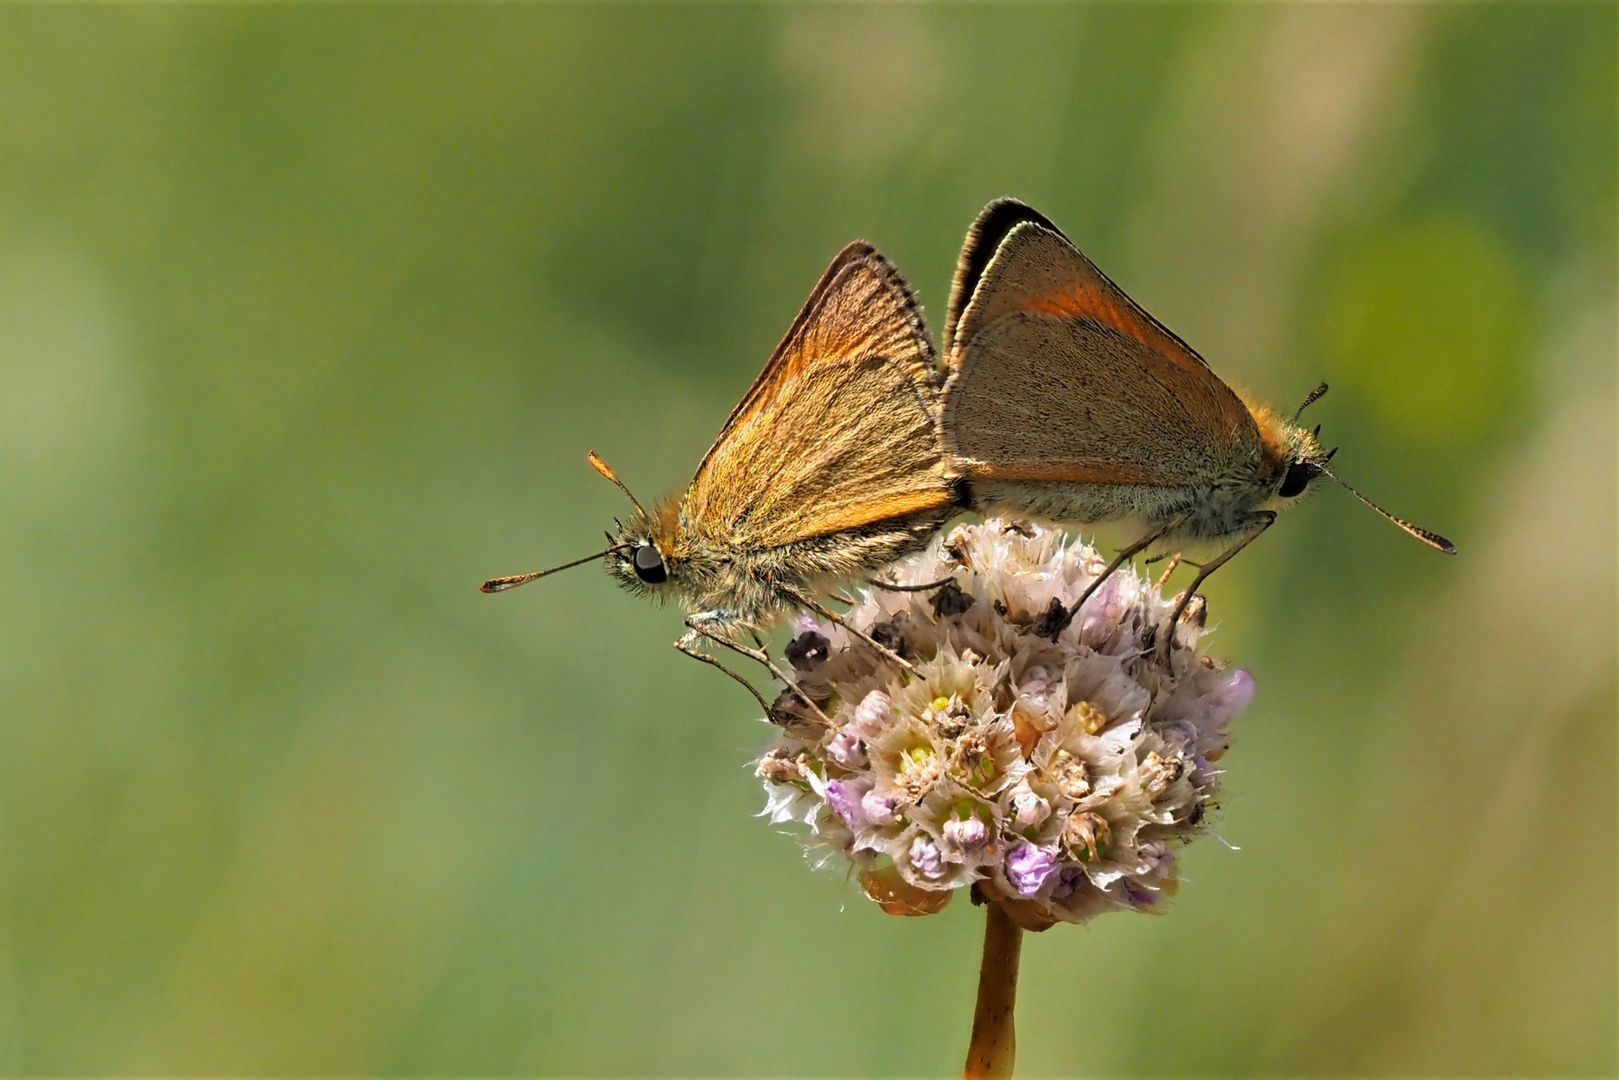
x=1072 y=473
x=885 y=509
x=1085 y=300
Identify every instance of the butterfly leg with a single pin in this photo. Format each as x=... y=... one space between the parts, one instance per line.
x=1056 y=618
x=688 y=645
x=703 y=625
x=1258 y=523
x=828 y=614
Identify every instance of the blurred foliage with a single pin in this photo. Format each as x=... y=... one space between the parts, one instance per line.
x=309 y=314
x=1428 y=319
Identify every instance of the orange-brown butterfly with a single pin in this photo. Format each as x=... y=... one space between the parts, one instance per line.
x=830 y=466
x=1066 y=401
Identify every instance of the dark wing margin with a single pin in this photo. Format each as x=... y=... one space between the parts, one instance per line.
x=994 y=222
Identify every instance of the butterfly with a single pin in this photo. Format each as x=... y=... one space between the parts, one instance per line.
x=1065 y=401
x=830 y=466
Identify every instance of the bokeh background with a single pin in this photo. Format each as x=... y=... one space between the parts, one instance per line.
x=308 y=316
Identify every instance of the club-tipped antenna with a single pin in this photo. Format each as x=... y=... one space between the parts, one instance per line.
x=1432 y=539
x=501 y=584
x=1315 y=395
x=607 y=471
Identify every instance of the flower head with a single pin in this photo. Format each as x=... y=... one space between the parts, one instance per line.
x=1054 y=776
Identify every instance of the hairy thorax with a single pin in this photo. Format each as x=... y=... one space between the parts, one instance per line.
x=756 y=586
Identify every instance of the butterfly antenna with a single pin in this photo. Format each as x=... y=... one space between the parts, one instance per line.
x=1315 y=395
x=501 y=584
x=607 y=471
x=1432 y=539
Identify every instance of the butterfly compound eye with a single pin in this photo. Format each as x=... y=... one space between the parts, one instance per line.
x=649 y=565
x=1299 y=475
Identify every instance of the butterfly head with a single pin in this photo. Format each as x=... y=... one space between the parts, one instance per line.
x=643 y=557
x=1303 y=465
x=638 y=555
x=1295 y=463
x=1292 y=462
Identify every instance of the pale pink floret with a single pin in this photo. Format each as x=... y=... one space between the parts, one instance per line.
x=1057 y=775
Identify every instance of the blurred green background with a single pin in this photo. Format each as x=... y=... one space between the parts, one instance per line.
x=308 y=316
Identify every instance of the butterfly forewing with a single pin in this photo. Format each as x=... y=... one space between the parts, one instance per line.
x=1057 y=376
x=838 y=431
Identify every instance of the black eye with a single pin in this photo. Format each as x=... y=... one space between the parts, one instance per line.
x=1299 y=475
x=649 y=565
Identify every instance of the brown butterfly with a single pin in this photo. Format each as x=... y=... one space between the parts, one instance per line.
x=1066 y=401
x=830 y=466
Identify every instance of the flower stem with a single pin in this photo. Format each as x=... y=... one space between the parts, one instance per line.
x=994 y=1041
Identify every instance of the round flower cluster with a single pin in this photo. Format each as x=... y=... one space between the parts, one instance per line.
x=1052 y=775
